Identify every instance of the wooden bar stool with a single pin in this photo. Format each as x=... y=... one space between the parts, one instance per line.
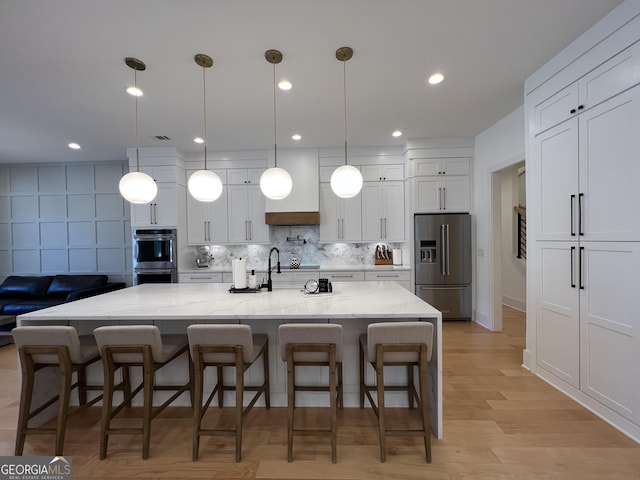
x=398 y=344
x=223 y=346
x=312 y=345
x=137 y=345
x=44 y=346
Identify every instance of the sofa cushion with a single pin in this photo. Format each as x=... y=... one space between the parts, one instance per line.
x=65 y=284
x=25 y=287
x=30 y=305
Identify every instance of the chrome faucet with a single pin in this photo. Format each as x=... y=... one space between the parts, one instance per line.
x=269 y=268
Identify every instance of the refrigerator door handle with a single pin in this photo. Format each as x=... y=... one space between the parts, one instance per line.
x=448 y=250
x=442 y=251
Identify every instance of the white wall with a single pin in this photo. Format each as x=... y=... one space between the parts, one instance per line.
x=498 y=147
x=514 y=281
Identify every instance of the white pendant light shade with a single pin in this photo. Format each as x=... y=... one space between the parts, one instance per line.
x=205 y=186
x=346 y=181
x=138 y=187
x=276 y=183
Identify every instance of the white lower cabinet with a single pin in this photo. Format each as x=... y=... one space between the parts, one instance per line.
x=200 y=277
x=588 y=328
x=403 y=277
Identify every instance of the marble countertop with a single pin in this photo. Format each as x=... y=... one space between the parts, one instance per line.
x=212 y=301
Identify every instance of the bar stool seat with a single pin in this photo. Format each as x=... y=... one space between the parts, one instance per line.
x=43 y=346
x=312 y=345
x=406 y=344
x=124 y=346
x=223 y=346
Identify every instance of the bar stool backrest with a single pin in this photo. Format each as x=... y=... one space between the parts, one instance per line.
x=221 y=334
x=123 y=335
x=53 y=335
x=399 y=332
x=292 y=333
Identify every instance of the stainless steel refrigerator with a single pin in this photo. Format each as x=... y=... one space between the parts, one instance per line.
x=443 y=263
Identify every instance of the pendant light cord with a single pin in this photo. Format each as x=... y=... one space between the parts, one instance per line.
x=135 y=84
x=204 y=102
x=344 y=88
x=275 y=123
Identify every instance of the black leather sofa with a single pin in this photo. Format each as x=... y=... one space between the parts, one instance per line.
x=20 y=294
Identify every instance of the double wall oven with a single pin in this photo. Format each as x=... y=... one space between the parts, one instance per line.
x=155 y=257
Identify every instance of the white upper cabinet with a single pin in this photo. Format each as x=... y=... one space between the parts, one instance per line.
x=382 y=173
x=617 y=74
x=340 y=218
x=588 y=167
x=442 y=185
x=162 y=210
x=241 y=176
x=383 y=211
x=246 y=214
x=207 y=221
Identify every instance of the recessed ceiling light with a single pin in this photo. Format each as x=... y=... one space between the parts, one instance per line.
x=74 y=146
x=436 y=78
x=285 y=85
x=198 y=140
x=134 y=91
x=397 y=133
x=296 y=136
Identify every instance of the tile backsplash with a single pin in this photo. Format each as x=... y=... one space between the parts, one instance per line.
x=301 y=242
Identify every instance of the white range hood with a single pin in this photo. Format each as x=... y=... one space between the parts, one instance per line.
x=302 y=206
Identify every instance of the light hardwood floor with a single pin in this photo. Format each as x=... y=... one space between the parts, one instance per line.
x=500 y=422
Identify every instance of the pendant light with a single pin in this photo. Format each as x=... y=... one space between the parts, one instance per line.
x=137 y=187
x=275 y=182
x=203 y=185
x=346 y=181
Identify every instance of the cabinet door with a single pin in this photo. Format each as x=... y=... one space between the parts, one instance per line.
x=217 y=214
x=455 y=166
x=258 y=229
x=427 y=166
x=372 y=212
x=393 y=204
x=238 y=214
x=329 y=220
x=558 y=322
x=555 y=160
x=610 y=169
x=166 y=205
x=610 y=339
x=427 y=194
x=351 y=216
x=455 y=194
x=556 y=109
x=197 y=219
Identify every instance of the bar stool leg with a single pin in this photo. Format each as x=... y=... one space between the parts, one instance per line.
x=107 y=402
x=291 y=396
x=26 y=394
x=63 y=404
x=265 y=367
x=410 y=383
x=341 y=388
x=82 y=383
x=424 y=403
x=361 y=376
x=380 y=390
x=126 y=385
x=148 y=407
x=238 y=410
x=197 y=405
x=332 y=402
x=220 y=385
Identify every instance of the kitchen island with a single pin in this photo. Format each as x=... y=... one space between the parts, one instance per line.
x=175 y=306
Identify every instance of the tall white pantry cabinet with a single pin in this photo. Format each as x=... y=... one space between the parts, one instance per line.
x=583 y=164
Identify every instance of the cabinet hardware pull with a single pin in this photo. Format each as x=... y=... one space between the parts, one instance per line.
x=580 y=232
x=572 y=111
x=573 y=233
x=581 y=259
x=444 y=198
x=385 y=227
x=342 y=276
x=439 y=198
x=580 y=107
x=573 y=283
x=381 y=228
x=342 y=222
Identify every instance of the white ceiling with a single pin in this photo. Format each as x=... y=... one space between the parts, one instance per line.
x=62 y=71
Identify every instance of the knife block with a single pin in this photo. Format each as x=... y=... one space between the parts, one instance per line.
x=384 y=261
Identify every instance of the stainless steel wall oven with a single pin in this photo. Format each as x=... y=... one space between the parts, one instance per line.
x=155 y=257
